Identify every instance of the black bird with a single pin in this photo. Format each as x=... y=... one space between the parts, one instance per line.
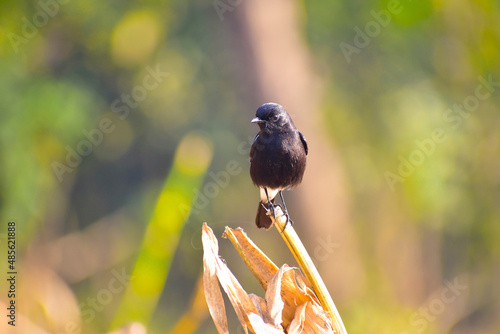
x=277 y=159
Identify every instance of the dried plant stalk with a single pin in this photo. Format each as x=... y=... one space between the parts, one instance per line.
x=289 y=305
x=296 y=291
x=305 y=262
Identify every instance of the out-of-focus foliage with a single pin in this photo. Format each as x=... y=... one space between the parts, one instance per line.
x=95 y=97
x=161 y=237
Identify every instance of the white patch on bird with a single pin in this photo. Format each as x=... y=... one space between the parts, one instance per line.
x=271 y=192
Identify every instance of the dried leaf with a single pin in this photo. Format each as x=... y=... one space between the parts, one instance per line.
x=310 y=318
x=213 y=294
x=259 y=264
x=297 y=324
x=295 y=289
x=261 y=327
x=273 y=297
x=260 y=304
x=289 y=299
x=240 y=300
x=317 y=320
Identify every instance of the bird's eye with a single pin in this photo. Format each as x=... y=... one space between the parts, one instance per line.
x=275 y=117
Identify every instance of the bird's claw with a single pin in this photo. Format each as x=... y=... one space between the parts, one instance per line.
x=288 y=220
x=273 y=212
x=271 y=208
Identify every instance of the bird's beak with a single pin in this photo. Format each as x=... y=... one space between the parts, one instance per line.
x=257 y=120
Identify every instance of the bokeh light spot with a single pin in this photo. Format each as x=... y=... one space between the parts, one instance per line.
x=193 y=154
x=135 y=38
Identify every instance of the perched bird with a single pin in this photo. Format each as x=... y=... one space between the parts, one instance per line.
x=277 y=159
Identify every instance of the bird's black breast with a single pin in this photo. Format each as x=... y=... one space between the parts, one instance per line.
x=277 y=161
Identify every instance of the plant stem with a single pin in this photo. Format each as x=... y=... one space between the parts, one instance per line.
x=306 y=264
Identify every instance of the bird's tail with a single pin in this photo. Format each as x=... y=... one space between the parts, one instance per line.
x=262 y=219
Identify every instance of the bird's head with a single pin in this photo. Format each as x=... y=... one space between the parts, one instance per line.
x=271 y=116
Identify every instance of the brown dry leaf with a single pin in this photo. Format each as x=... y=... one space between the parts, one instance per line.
x=241 y=301
x=210 y=281
x=261 y=266
x=261 y=327
x=302 y=322
x=297 y=324
x=289 y=299
x=273 y=298
x=294 y=292
x=260 y=304
x=295 y=288
x=321 y=323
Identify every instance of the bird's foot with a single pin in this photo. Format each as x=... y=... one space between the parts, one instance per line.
x=288 y=220
x=270 y=209
x=284 y=212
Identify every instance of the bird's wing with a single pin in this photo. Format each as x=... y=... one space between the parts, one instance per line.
x=255 y=139
x=304 y=142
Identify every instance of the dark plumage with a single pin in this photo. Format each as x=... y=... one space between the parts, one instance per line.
x=277 y=157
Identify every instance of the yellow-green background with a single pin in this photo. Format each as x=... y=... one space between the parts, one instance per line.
x=125 y=207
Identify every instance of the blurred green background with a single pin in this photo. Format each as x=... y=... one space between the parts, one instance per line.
x=125 y=124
